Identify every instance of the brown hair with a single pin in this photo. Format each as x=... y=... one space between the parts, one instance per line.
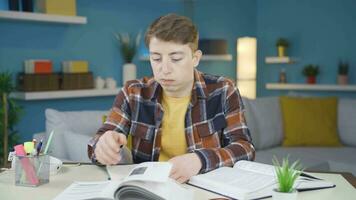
x=175 y=28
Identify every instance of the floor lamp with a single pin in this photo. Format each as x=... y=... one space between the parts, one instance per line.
x=247 y=66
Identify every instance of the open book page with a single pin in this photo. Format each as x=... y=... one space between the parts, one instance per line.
x=236 y=183
x=89 y=190
x=150 y=171
x=154 y=177
x=255 y=167
x=249 y=180
x=303 y=182
x=119 y=172
x=148 y=180
x=154 y=190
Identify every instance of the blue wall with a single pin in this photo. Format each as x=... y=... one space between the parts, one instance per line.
x=95 y=42
x=227 y=19
x=320 y=32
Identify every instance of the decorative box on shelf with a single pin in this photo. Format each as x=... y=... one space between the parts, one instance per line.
x=38 y=82
x=54 y=81
x=74 y=81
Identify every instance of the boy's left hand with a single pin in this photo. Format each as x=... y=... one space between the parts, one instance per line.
x=185 y=166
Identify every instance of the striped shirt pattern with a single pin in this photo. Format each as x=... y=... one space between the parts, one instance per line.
x=215 y=126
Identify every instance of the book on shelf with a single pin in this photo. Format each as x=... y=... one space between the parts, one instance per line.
x=38 y=66
x=149 y=180
x=250 y=180
x=80 y=66
x=55 y=7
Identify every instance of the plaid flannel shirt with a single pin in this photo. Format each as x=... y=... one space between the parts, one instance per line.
x=215 y=126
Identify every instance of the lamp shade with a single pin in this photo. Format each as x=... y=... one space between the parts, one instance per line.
x=247 y=66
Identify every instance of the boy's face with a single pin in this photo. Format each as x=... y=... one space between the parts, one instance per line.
x=173 y=66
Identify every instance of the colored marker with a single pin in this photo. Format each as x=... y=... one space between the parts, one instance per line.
x=39 y=146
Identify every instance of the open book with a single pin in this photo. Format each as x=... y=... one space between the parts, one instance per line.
x=250 y=180
x=149 y=180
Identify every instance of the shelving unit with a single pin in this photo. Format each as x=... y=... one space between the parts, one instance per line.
x=280 y=60
x=39 y=17
x=226 y=57
x=64 y=94
x=311 y=87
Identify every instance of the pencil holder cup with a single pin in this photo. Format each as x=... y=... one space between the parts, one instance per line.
x=32 y=170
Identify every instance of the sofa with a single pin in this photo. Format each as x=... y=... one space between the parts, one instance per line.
x=72 y=132
x=265 y=120
x=73 y=129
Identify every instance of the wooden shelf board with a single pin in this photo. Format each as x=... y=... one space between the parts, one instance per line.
x=40 y=17
x=64 y=94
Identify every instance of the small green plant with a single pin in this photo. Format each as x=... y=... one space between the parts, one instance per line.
x=310 y=70
x=343 y=68
x=9 y=115
x=282 y=42
x=128 y=45
x=286 y=174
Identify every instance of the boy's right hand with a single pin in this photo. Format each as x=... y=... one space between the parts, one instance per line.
x=107 y=150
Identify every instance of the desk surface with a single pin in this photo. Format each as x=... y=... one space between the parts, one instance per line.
x=70 y=173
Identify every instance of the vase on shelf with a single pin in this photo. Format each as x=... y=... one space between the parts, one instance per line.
x=282 y=76
x=342 y=79
x=282 y=45
x=282 y=51
x=311 y=79
x=128 y=72
x=99 y=83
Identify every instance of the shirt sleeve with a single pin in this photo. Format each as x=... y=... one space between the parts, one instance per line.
x=237 y=142
x=118 y=120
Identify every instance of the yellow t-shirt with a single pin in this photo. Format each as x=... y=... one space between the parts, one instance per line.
x=173 y=142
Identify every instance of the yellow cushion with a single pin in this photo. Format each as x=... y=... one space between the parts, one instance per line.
x=310 y=121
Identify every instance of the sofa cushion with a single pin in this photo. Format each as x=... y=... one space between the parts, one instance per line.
x=82 y=122
x=346 y=121
x=310 y=121
x=76 y=146
x=303 y=154
x=336 y=159
x=263 y=117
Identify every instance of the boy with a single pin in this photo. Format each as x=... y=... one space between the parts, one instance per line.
x=193 y=120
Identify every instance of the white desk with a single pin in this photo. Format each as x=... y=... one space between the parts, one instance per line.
x=70 y=173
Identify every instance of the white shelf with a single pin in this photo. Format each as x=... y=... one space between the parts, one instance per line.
x=64 y=94
x=313 y=87
x=280 y=60
x=226 y=57
x=39 y=17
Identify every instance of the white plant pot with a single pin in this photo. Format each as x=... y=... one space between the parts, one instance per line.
x=99 y=83
x=276 y=195
x=128 y=72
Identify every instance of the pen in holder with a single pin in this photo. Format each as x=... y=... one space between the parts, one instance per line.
x=32 y=170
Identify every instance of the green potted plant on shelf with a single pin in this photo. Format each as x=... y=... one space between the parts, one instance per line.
x=343 y=70
x=9 y=116
x=286 y=175
x=128 y=45
x=282 y=45
x=311 y=71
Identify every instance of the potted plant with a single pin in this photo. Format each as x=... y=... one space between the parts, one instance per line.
x=128 y=45
x=9 y=116
x=282 y=45
x=286 y=176
x=311 y=71
x=343 y=69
